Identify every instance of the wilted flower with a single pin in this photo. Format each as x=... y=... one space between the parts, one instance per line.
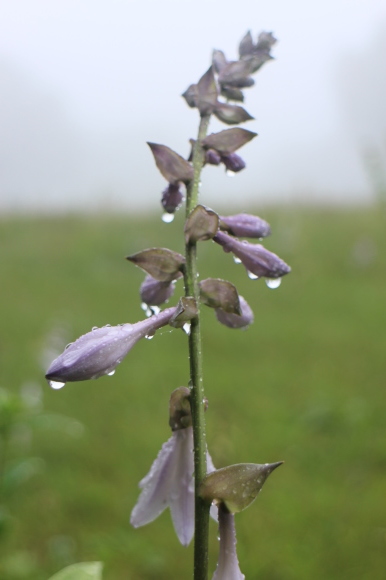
x=257 y=260
x=245 y=225
x=170 y=481
x=98 y=352
x=155 y=292
x=234 y=320
x=228 y=564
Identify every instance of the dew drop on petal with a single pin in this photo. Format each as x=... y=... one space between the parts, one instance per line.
x=230 y=173
x=94 y=328
x=273 y=282
x=167 y=218
x=111 y=373
x=155 y=309
x=186 y=328
x=149 y=336
x=236 y=260
x=56 y=385
x=252 y=276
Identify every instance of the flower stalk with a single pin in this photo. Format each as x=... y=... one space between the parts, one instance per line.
x=196 y=379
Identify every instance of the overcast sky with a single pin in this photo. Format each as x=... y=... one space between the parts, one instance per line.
x=85 y=83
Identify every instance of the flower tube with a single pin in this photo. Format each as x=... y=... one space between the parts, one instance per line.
x=98 y=352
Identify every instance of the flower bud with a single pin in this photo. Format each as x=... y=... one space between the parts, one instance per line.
x=207 y=93
x=98 y=352
x=234 y=320
x=233 y=162
x=257 y=260
x=245 y=225
x=172 y=198
x=154 y=292
x=212 y=157
x=236 y=486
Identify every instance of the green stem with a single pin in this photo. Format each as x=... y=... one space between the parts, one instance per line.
x=196 y=381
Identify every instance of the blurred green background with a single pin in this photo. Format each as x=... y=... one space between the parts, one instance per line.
x=304 y=384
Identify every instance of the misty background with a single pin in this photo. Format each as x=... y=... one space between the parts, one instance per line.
x=85 y=83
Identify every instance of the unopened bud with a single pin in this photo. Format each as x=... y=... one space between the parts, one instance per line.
x=217 y=293
x=233 y=162
x=257 y=260
x=234 y=320
x=212 y=157
x=172 y=198
x=154 y=292
x=245 y=225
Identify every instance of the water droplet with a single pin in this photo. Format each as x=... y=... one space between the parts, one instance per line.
x=155 y=309
x=56 y=385
x=68 y=346
x=111 y=373
x=230 y=173
x=252 y=276
x=146 y=309
x=149 y=336
x=236 y=260
x=186 y=328
x=107 y=326
x=167 y=218
x=94 y=328
x=273 y=282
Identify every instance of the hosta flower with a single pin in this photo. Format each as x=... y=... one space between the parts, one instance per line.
x=170 y=483
x=228 y=564
x=257 y=260
x=98 y=352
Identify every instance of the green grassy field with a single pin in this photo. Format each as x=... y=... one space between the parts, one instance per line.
x=305 y=384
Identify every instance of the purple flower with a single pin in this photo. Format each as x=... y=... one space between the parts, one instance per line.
x=257 y=260
x=233 y=162
x=98 y=352
x=155 y=292
x=245 y=225
x=234 y=320
x=172 y=197
x=228 y=564
x=170 y=483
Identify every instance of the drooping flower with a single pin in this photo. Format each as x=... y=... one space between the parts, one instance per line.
x=172 y=197
x=100 y=351
x=170 y=481
x=257 y=260
x=228 y=565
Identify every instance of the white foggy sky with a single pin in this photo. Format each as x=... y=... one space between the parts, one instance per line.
x=84 y=83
